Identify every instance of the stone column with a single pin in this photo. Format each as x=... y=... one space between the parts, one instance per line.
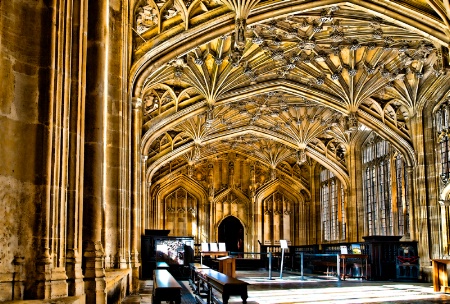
x=231 y=175
x=121 y=259
x=95 y=146
x=254 y=232
x=303 y=222
x=63 y=52
x=136 y=190
x=287 y=220
x=354 y=216
x=151 y=207
x=444 y=230
x=267 y=229
x=411 y=197
x=206 y=224
x=144 y=202
x=76 y=151
x=308 y=226
x=277 y=216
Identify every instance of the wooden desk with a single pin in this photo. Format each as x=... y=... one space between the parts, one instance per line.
x=227 y=265
x=344 y=259
x=226 y=285
x=440 y=276
x=215 y=253
x=165 y=287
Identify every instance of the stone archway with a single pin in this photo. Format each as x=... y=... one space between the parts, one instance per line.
x=230 y=231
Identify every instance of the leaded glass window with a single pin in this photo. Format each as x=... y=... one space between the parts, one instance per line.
x=384 y=189
x=332 y=204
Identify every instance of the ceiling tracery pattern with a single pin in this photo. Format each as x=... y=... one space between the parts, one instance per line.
x=288 y=89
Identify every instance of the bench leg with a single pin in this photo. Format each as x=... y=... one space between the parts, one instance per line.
x=244 y=297
x=225 y=298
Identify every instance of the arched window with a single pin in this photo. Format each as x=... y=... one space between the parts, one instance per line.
x=442 y=127
x=384 y=189
x=332 y=205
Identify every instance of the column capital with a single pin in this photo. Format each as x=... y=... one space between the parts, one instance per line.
x=136 y=103
x=444 y=202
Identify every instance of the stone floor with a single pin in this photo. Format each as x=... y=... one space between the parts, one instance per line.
x=291 y=288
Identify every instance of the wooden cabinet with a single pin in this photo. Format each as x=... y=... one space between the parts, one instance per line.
x=388 y=258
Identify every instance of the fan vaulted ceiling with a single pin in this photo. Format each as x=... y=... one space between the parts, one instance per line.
x=293 y=88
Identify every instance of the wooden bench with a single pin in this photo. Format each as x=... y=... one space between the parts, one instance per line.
x=224 y=284
x=193 y=278
x=165 y=287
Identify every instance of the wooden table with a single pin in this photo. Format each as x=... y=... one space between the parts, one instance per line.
x=344 y=259
x=215 y=253
x=226 y=285
x=440 y=276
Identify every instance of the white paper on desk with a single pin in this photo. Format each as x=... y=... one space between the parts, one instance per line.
x=205 y=247
x=213 y=247
x=222 y=247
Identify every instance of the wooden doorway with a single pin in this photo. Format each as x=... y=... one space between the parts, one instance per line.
x=231 y=232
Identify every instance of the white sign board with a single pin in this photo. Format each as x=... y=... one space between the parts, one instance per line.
x=283 y=244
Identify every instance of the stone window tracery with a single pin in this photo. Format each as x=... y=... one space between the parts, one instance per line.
x=277 y=213
x=384 y=188
x=179 y=209
x=146 y=17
